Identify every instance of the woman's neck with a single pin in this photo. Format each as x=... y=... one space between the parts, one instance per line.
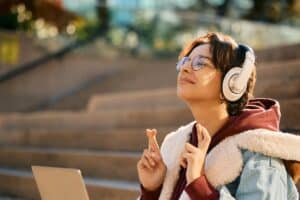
x=211 y=115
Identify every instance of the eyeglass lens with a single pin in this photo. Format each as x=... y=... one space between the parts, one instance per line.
x=197 y=63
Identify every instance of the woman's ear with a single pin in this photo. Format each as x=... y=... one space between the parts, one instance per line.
x=222 y=99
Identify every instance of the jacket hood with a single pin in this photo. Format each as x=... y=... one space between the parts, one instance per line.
x=259 y=113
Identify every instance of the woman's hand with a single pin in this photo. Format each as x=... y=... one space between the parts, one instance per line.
x=151 y=168
x=193 y=158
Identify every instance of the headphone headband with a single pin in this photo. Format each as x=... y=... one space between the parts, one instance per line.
x=245 y=48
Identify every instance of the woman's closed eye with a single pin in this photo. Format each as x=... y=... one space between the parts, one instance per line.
x=200 y=64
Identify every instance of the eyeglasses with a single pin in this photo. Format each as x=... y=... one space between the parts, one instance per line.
x=197 y=62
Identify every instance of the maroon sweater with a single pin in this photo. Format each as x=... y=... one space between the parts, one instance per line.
x=259 y=113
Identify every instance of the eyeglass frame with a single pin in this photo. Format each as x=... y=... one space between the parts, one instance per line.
x=195 y=67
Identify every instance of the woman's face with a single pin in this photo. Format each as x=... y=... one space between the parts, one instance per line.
x=203 y=84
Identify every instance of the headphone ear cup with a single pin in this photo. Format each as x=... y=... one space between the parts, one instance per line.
x=227 y=85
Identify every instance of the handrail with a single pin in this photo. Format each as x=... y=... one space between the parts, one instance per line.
x=46 y=58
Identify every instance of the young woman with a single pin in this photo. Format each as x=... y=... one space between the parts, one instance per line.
x=233 y=149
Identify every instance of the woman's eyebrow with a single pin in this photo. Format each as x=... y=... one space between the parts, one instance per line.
x=207 y=57
x=201 y=56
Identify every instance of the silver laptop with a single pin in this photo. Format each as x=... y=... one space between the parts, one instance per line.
x=60 y=183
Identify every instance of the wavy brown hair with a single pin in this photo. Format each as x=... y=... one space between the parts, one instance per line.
x=225 y=55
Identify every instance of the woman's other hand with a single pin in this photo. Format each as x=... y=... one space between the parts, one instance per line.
x=193 y=158
x=151 y=168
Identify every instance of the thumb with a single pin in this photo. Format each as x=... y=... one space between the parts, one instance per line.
x=152 y=141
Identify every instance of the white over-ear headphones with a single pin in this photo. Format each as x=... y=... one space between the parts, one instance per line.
x=236 y=79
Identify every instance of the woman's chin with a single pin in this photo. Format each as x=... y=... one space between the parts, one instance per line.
x=184 y=95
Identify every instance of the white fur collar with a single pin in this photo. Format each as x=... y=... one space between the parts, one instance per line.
x=226 y=156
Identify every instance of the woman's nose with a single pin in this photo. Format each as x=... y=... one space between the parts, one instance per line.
x=186 y=67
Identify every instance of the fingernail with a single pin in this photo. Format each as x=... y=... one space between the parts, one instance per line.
x=148 y=132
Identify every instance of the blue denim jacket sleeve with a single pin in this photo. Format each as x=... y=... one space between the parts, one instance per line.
x=262 y=178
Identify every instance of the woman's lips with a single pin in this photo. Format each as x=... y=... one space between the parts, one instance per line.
x=186 y=80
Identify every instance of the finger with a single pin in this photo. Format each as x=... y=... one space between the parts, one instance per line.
x=206 y=135
x=141 y=164
x=206 y=139
x=190 y=148
x=145 y=161
x=150 y=159
x=203 y=137
x=199 y=133
x=152 y=141
x=156 y=157
x=187 y=157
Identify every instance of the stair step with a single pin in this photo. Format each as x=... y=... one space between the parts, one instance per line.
x=129 y=139
x=279 y=70
x=18 y=183
x=21 y=183
x=166 y=97
x=278 y=89
x=278 y=53
x=138 y=99
x=102 y=164
x=174 y=116
x=160 y=117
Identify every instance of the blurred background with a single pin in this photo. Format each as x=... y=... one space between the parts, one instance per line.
x=81 y=80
